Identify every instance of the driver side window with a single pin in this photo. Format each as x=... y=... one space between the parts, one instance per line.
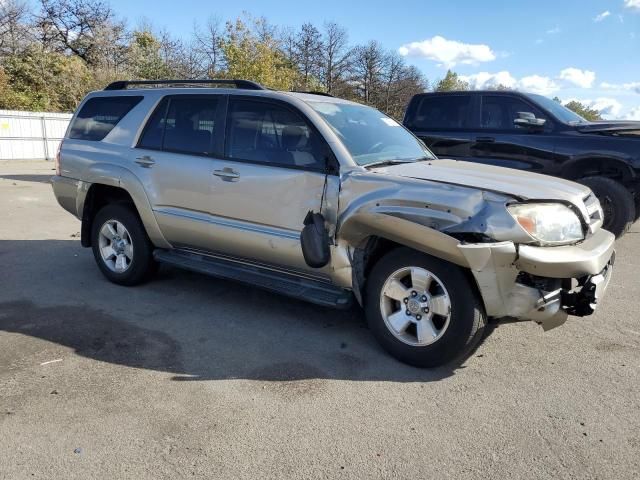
x=499 y=112
x=264 y=132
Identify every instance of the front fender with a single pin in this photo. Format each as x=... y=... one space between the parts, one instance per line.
x=366 y=222
x=427 y=216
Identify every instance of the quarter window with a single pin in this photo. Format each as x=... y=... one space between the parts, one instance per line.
x=268 y=133
x=99 y=115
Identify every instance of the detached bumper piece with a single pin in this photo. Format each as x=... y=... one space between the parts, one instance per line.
x=584 y=300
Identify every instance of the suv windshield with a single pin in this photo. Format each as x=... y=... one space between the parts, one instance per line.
x=558 y=110
x=370 y=136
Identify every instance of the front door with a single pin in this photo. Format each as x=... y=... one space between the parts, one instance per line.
x=272 y=175
x=500 y=142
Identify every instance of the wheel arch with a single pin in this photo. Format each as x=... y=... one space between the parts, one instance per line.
x=107 y=184
x=613 y=168
x=372 y=248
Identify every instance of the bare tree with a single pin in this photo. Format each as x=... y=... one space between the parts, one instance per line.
x=368 y=65
x=336 y=55
x=287 y=40
x=207 y=42
x=393 y=68
x=79 y=26
x=13 y=27
x=308 y=52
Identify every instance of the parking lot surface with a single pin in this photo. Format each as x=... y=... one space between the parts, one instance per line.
x=189 y=376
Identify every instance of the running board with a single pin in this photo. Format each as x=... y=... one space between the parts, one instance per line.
x=310 y=290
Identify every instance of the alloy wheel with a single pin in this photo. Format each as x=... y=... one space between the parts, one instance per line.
x=116 y=248
x=415 y=306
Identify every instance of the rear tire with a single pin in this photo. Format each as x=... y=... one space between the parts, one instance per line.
x=431 y=327
x=617 y=203
x=121 y=247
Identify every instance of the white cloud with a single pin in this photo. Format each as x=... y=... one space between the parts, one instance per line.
x=580 y=78
x=538 y=84
x=633 y=86
x=608 y=108
x=633 y=114
x=483 y=80
x=635 y=4
x=448 y=52
x=531 y=83
x=602 y=16
x=554 y=30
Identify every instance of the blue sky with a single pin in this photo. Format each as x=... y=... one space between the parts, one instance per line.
x=575 y=49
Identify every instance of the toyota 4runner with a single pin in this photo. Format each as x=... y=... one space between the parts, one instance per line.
x=327 y=200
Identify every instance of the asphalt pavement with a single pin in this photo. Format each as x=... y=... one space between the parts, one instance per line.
x=190 y=376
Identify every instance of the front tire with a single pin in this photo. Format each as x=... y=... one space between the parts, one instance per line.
x=616 y=201
x=120 y=245
x=422 y=310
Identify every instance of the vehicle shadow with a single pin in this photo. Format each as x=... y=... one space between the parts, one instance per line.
x=192 y=326
x=29 y=178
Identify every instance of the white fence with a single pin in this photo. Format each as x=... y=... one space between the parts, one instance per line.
x=31 y=135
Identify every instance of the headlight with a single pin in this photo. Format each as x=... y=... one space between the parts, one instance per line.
x=549 y=223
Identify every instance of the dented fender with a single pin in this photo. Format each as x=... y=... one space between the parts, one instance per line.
x=428 y=216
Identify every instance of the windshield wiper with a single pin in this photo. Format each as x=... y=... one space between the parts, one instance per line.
x=385 y=163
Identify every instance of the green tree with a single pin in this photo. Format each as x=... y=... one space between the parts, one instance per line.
x=451 y=82
x=145 y=56
x=584 y=111
x=255 y=57
x=41 y=80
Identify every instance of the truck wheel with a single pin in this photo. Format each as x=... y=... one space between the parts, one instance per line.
x=120 y=245
x=421 y=309
x=617 y=203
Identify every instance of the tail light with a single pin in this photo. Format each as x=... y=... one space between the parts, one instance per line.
x=57 y=159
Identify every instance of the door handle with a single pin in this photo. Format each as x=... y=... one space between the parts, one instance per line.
x=227 y=174
x=145 y=161
x=485 y=139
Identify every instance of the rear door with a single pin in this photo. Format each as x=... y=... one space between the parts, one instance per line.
x=272 y=174
x=175 y=157
x=498 y=141
x=443 y=123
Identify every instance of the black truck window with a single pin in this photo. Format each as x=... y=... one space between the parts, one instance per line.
x=442 y=112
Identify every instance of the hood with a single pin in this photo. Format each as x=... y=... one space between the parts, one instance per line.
x=517 y=183
x=626 y=127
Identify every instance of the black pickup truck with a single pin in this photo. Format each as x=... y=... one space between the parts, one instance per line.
x=532 y=132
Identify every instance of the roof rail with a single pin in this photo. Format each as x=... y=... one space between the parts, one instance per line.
x=313 y=92
x=243 y=84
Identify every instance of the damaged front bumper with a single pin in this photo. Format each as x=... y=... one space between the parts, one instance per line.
x=543 y=284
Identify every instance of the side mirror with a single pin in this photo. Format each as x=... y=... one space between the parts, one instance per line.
x=529 y=121
x=314 y=240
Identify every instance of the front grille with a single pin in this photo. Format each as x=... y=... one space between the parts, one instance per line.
x=594 y=212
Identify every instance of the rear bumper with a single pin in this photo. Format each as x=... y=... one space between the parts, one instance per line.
x=534 y=283
x=66 y=192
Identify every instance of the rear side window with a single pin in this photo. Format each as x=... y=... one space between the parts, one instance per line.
x=98 y=116
x=268 y=133
x=185 y=125
x=442 y=112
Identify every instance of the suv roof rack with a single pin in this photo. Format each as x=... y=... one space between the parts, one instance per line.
x=243 y=84
x=314 y=92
